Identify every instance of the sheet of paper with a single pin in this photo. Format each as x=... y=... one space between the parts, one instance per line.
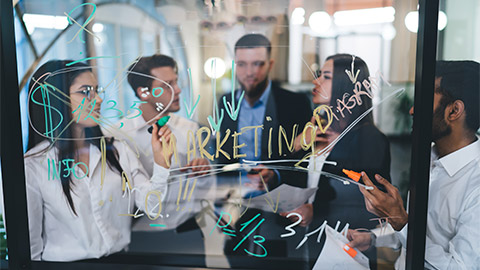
x=334 y=257
x=282 y=199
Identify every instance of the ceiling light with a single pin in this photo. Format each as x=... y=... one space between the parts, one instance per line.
x=319 y=21
x=298 y=16
x=364 y=16
x=214 y=67
x=98 y=27
x=411 y=21
x=442 y=20
x=389 y=32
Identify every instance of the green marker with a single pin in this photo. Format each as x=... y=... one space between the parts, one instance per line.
x=160 y=123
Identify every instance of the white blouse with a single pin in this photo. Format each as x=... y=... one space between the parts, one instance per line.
x=315 y=166
x=100 y=227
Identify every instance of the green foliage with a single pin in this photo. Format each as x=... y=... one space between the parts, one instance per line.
x=3 y=240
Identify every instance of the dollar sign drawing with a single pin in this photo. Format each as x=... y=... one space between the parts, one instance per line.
x=48 y=110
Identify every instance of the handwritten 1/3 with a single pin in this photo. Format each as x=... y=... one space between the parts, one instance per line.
x=257 y=239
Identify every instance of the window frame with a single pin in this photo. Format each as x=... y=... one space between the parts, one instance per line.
x=13 y=173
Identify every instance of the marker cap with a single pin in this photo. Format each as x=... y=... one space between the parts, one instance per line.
x=352 y=252
x=160 y=123
x=352 y=175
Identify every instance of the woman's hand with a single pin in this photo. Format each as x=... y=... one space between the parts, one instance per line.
x=299 y=140
x=161 y=136
x=321 y=139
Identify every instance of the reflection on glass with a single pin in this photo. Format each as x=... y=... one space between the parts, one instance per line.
x=80 y=186
x=452 y=235
x=344 y=84
x=256 y=174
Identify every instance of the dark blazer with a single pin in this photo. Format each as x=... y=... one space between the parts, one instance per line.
x=364 y=148
x=283 y=108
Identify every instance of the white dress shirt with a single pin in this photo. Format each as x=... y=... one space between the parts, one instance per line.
x=134 y=133
x=98 y=229
x=453 y=219
x=315 y=166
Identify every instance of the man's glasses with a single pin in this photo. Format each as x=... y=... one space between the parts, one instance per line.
x=90 y=92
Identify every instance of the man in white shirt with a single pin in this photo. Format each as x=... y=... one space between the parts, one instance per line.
x=453 y=219
x=154 y=81
x=153 y=78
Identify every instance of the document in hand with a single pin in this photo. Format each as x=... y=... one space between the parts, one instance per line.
x=336 y=255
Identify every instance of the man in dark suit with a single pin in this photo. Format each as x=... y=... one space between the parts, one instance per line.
x=264 y=104
x=264 y=110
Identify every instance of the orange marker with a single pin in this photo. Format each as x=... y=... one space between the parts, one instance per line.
x=352 y=252
x=352 y=174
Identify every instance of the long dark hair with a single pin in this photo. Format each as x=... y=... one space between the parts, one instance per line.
x=54 y=121
x=342 y=84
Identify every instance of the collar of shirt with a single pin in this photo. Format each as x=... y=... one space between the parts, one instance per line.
x=455 y=161
x=262 y=101
x=137 y=122
x=252 y=116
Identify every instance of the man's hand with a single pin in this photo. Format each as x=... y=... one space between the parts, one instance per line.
x=383 y=204
x=360 y=240
x=199 y=166
x=306 y=211
x=160 y=136
x=257 y=174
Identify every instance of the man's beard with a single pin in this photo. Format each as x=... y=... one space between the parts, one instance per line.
x=257 y=90
x=440 y=128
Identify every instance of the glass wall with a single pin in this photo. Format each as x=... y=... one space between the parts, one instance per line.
x=278 y=122
x=451 y=234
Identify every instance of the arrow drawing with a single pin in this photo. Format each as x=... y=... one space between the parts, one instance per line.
x=350 y=73
x=270 y=202
x=191 y=109
x=217 y=119
x=230 y=108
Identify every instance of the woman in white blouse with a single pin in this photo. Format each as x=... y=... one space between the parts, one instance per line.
x=82 y=188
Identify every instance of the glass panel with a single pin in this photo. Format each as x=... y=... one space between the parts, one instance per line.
x=3 y=232
x=275 y=107
x=452 y=235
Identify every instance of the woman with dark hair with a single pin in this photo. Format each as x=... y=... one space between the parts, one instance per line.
x=80 y=184
x=347 y=92
x=339 y=91
x=364 y=147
